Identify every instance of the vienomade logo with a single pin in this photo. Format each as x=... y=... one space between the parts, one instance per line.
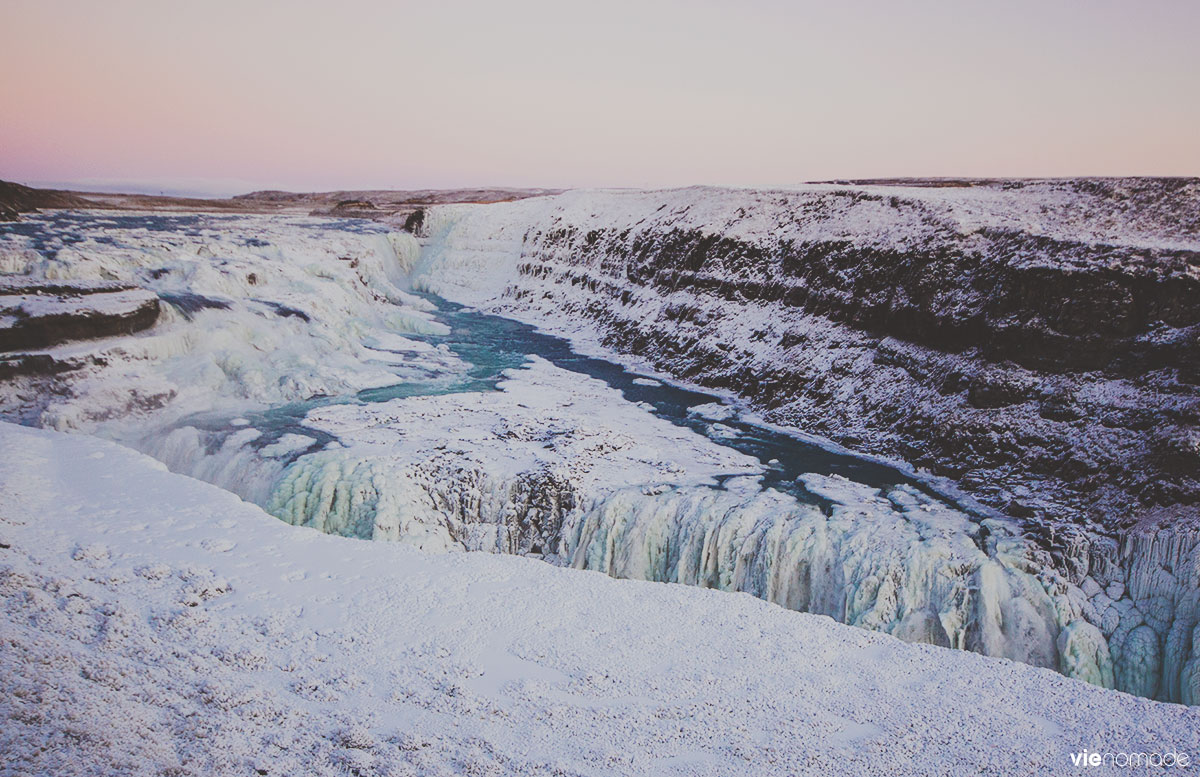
x=1133 y=760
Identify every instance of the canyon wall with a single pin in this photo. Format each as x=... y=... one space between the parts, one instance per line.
x=1037 y=342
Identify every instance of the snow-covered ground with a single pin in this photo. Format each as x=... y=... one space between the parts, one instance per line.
x=154 y=624
x=293 y=367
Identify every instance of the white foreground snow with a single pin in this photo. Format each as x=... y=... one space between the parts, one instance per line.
x=154 y=624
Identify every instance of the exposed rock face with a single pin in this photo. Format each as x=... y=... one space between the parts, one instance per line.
x=37 y=314
x=352 y=208
x=415 y=221
x=1038 y=341
x=16 y=199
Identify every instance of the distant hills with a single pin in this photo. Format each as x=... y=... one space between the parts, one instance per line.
x=377 y=204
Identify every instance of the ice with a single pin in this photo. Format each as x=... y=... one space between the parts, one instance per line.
x=714 y=411
x=517 y=471
x=912 y=572
x=258 y=311
x=494 y=471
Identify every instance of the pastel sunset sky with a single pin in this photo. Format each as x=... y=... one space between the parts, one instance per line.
x=224 y=96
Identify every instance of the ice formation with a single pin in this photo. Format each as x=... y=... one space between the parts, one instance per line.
x=545 y=479
x=498 y=471
x=257 y=312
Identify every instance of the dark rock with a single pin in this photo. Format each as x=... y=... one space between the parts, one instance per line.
x=190 y=304
x=995 y=389
x=1179 y=449
x=415 y=221
x=1060 y=407
x=41 y=314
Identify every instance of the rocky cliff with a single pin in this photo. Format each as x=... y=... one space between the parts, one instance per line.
x=1039 y=341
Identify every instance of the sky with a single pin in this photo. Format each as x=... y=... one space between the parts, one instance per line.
x=226 y=96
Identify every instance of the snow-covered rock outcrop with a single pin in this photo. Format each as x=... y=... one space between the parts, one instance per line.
x=37 y=314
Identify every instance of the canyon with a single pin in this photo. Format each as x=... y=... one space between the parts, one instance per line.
x=965 y=415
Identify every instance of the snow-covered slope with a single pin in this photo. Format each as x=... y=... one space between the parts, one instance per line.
x=155 y=624
x=257 y=312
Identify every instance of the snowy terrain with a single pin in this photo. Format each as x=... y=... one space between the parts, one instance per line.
x=293 y=365
x=259 y=311
x=498 y=471
x=277 y=372
x=154 y=624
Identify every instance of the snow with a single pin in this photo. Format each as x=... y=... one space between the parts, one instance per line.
x=897 y=562
x=156 y=624
x=116 y=303
x=558 y=465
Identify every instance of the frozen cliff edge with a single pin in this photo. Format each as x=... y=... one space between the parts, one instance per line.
x=229 y=642
x=892 y=319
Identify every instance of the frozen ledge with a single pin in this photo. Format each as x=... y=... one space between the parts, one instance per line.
x=151 y=621
x=37 y=314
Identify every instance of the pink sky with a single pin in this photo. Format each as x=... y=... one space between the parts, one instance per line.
x=230 y=96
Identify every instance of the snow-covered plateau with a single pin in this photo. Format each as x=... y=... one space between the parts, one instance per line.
x=326 y=372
